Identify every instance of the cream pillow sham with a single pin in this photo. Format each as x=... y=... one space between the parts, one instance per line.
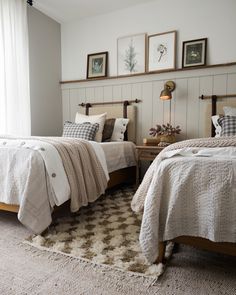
x=216 y=125
x=119 y=129
x=99 y=119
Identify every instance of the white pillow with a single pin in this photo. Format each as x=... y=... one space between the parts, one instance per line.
x=99 y=119
x=217 y=126
x=229 y=111
x=119 y=129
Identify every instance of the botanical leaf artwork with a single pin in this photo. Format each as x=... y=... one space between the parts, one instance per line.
x=131 y=54
x=162 y=51
x=130 y=60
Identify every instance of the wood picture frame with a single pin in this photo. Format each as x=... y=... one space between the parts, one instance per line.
x=194 y=53
x=162 y=51
x=97 y=65
x=131 y=54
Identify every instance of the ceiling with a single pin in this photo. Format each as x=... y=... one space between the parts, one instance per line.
x=69 y=10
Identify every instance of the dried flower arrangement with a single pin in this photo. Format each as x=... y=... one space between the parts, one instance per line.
x=165 y=130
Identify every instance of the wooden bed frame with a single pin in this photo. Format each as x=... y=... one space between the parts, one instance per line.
x=126 y=175
x=116 y=177
x=198 y=242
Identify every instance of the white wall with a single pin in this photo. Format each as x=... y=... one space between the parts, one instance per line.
x=45 y=74
x=214 y=19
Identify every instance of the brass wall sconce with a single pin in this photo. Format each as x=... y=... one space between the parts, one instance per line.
x=166 y=92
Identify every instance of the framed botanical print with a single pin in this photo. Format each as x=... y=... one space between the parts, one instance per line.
x=131 y=52
x=161 y=51
x=97 y=65
x=194 y=53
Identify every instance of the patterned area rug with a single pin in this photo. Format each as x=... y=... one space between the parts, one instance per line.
x=106 y=232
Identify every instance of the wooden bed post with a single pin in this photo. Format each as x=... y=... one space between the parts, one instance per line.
x=213 y=113
x=161 y=251
x=88 y=105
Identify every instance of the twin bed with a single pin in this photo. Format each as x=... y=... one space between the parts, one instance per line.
x=37 y=173
x=188 y=195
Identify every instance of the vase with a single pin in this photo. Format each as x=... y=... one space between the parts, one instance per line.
x=167 y=138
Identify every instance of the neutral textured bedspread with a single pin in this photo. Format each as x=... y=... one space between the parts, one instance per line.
x=38 y=173
x=187 y=195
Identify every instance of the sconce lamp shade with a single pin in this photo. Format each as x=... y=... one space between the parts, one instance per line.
x=166 y=92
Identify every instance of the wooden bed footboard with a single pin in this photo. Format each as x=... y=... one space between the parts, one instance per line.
x=205 y=244
x=10 y=208
x=198 y=242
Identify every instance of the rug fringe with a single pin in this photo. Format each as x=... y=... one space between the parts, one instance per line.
x=55 y=255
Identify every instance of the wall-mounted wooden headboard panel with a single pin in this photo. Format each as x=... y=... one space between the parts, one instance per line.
x=220 y=102
x=116 y=111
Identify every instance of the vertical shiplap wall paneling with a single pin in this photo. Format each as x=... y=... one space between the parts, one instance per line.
x=181 y=106
x=66 y=105
x=220 y=84
x=74 y=101
x=172 y=104
x=81 y=99
x=205 y=88
x=231 y=84
x=193 y=108
x=107 y=93
x=137 y=94
x=147 y=98
x=157 y=104
x=126 y=91
x=187 y=110
x=167 y=105
x=90 y=94
x=117 y=93
x=98 y=94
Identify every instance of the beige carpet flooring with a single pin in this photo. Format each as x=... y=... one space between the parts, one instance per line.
x=27 y=271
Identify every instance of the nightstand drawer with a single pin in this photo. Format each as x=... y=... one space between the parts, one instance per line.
x=148 y=154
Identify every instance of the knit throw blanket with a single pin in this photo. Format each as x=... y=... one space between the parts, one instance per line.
x=211 y=142
x=84 y=171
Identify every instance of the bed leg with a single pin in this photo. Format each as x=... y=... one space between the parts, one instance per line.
x=162 y=249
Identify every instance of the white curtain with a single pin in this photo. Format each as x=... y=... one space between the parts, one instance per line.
x=14 y=69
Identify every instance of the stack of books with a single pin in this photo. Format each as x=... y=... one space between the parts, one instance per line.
x=150 y=141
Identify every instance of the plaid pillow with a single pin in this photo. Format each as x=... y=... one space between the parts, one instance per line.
x=85 y=131
x=228 y=125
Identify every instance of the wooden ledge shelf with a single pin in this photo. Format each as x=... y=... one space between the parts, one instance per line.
x=150 y=73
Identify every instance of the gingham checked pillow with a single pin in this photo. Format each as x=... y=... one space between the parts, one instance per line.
x=228 y=125
x=85 y=131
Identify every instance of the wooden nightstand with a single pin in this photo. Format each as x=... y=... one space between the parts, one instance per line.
x=145 y=153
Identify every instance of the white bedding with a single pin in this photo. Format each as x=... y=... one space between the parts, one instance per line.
x=192 y=193
x=119 y=155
